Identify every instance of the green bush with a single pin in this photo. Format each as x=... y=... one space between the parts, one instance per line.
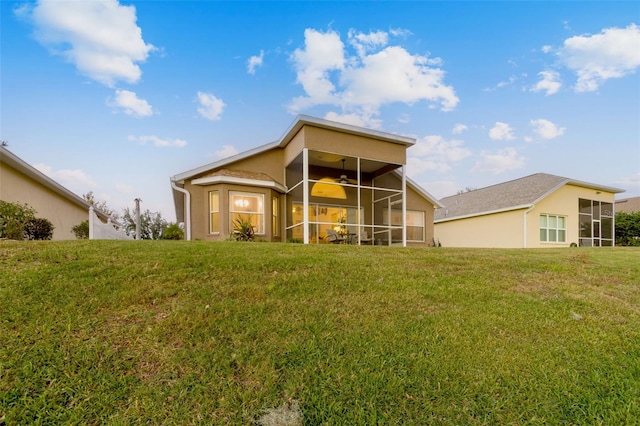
x=13 y=219
x=628 y=229
x=243 y=229
x=81 y=231
x=172 y=232
x=38 y=229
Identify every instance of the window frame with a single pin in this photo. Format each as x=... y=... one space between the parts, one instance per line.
x=260 y=229
x=556 y=229
x=212 y=231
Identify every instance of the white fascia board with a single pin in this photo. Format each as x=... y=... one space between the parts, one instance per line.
x=180 y=178
x=239 y=181
x=467 y=216
x=302 y=120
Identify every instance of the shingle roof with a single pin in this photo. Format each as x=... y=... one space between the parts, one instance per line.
x=512 y=195
x=628 y=205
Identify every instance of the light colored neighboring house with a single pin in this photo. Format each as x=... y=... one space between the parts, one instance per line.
x=540 y=210
x=628 y=205
x=22 y=183
x=319 y=177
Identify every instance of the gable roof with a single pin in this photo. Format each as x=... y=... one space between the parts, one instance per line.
x=512 y=195
x=299 y=122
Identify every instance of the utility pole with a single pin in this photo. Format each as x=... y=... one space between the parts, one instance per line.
x=137 y=200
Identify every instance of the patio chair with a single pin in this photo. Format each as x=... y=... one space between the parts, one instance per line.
x=364 y=237
x=333 y=237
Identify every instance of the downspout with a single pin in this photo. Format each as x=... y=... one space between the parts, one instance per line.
x=187 y=218
x=524 y=235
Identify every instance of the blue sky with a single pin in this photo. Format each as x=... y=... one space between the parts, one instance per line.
x=117 y=97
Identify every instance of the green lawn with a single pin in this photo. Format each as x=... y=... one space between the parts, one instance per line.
x=104 y=332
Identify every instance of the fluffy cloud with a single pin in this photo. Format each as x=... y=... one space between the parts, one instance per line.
x=361 y=119
x=613 y=53
x=501 y=131
x=361 y=82
x=459 y=128
x=495 y=163
x=435 y=153
x=211 y=107
x=225 y=152
x=159 y=142
x=101 y=38
x=254 y=62
x=549 y=83
x=546 y=129
x=131 y=104
x=75 y=180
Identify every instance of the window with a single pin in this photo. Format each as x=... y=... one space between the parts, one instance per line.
x=214 y=212
x=247 y=206
x=596 y=223
x=414 y=223
x=275 y=207
x=553 y=229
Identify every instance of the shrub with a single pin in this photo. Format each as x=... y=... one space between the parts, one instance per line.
x=172 y=232
x=13 y=219
x=81 y=230
x=38 y=229
x=628 y=229
x=243 y=230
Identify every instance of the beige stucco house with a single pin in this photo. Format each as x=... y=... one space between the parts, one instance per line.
x=540 y=210
x=321 y=182
x=20 y=182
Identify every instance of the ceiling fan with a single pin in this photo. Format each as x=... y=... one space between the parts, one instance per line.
x=343 y=177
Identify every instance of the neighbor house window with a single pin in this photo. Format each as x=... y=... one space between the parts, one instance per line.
x=553 y=229
x=247 y=206
x=275 y=226
x=214 y=212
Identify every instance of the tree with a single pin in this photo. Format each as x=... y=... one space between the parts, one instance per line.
x=81 y=231
x=628 y=228
x=100 y=205
x=152 y=224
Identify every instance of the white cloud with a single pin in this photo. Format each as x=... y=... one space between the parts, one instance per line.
x=549 y=83
x=459 y=128
x=225 y=152
x=613 y=53
x=375 y=75
x=361 y=119
x=631 y=183
x=123 y=188
x=435 y=153
x=101 y=38
x=441 y=188
x=495 y=163
x=210 y=107
x=501 y=131
x=546 y=129
x=158 y=142
x=131 y=104
x=76 y=180
x=547 y=49
x=254 y=62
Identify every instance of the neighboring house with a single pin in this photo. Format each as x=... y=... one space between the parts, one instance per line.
x=20 y=182
x=628 y=205
x=540 y=210
x=321 y=182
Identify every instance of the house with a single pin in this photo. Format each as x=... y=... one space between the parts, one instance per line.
x=321 y=182
x=628 y=205
x=21 y=183
x=540 y=210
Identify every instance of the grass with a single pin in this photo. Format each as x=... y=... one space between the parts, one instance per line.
x=97 y=332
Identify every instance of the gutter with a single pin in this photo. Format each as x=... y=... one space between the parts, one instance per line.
x=187 y=218
x=524 y=226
